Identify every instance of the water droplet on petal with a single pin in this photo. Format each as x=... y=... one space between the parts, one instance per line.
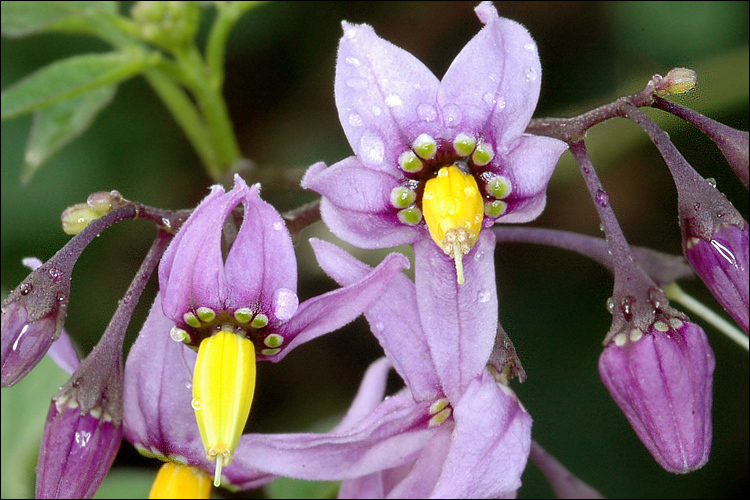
x=724 y=252
x=196 y=404
x=393 y=100
x=478 y=255
x=285 y=303
x=371 y=148
x=355 y=120
x=489 y=98
x=452 y=115
x=427 y=112
x=530 y=74
x=188 y=385
x=529 y=46
x=357 y=83
x=379 y=326
x=353 y=61
x=376 y=110
x=483 y=296
x=350 y=33
x=26 y=288
x=278 y=225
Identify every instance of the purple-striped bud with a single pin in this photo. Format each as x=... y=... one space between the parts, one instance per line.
x=722 y=263
x=77 y=450
x=662 y=379
x=32 y=318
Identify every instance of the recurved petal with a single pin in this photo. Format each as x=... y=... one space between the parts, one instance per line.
x=490 y=444
x=494 y=81
x=261 y=260
x=459 y=321
x=392 y=435
x=393 y=319
x=330 y=311
x=529 y=165
x=380 y=91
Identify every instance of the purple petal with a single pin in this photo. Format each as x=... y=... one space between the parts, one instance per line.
x=380 y=90
x=330 y=311
x=424 y=474
x=158 y=418
x=565 y=484
x=486 y=464
x=529 y=165
x=494 y=81
x=393 y=319
x=390 y=436
x=459 y=321
x=369 y=395
x=64 y=354
x=261 y=260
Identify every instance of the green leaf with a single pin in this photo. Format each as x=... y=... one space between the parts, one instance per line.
x=25 y=18
x=57 y=125
x=24 y=411
x=70 y=78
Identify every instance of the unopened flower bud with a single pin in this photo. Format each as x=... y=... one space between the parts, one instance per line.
x=77 y=450
x=167 y=24
x=678 y=81
x=32 y=318
x=662 y=379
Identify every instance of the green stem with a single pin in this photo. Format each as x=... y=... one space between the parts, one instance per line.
x=188 y=118
x=674 y=292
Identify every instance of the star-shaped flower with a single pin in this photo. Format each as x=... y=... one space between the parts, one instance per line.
x=436 y=159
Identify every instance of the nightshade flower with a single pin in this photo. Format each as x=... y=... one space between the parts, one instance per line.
x=236 y=306
x=436 y=159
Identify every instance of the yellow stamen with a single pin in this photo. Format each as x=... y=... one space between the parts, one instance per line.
x=453 y=211
x=180 y=481
x=223 y=388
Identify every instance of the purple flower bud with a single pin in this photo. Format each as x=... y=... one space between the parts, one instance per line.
x=77 y=450
x=722 y=263
x=662 y=379
x=32 y=318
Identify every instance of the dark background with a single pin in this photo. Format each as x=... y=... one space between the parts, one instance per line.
x=279 y=89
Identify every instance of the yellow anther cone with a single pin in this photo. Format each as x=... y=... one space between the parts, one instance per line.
x=181 y=481
x=223 y=388
x=453 y=211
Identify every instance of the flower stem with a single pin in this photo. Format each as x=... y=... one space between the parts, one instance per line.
x=674 y=292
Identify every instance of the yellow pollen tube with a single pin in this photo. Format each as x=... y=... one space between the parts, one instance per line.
x=223 y=389
x=453 y=211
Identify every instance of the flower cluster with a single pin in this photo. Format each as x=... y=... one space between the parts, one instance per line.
x=440 y=165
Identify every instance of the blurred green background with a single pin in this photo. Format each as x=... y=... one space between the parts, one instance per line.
x=279 y=88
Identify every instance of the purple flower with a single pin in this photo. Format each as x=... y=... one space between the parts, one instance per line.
x=662 y=380
x=436 y=159
x=243 y=303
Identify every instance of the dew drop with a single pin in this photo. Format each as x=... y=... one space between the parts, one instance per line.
x=196 y=404
x=350 y=33
x=696 y=206
x=55 y=274
x=188 y=385
x=371 y=148
x=25 y=288
x=357 y=83
x=530 y=74
x=376 y=110
x=602 y=198
x=610 y=305
x=711 y=181
x=478 y=255
x=393 y=100
x=77 y=382
x=427 y=112
x=483 y=296
x=489 y=98
x=626 y=306
x=529 y=46
x=452 y=115
x=285 y=303
x=278 y=225
x=379 y=326
x=353 y=61
x=355 y=120
x=500 y=103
